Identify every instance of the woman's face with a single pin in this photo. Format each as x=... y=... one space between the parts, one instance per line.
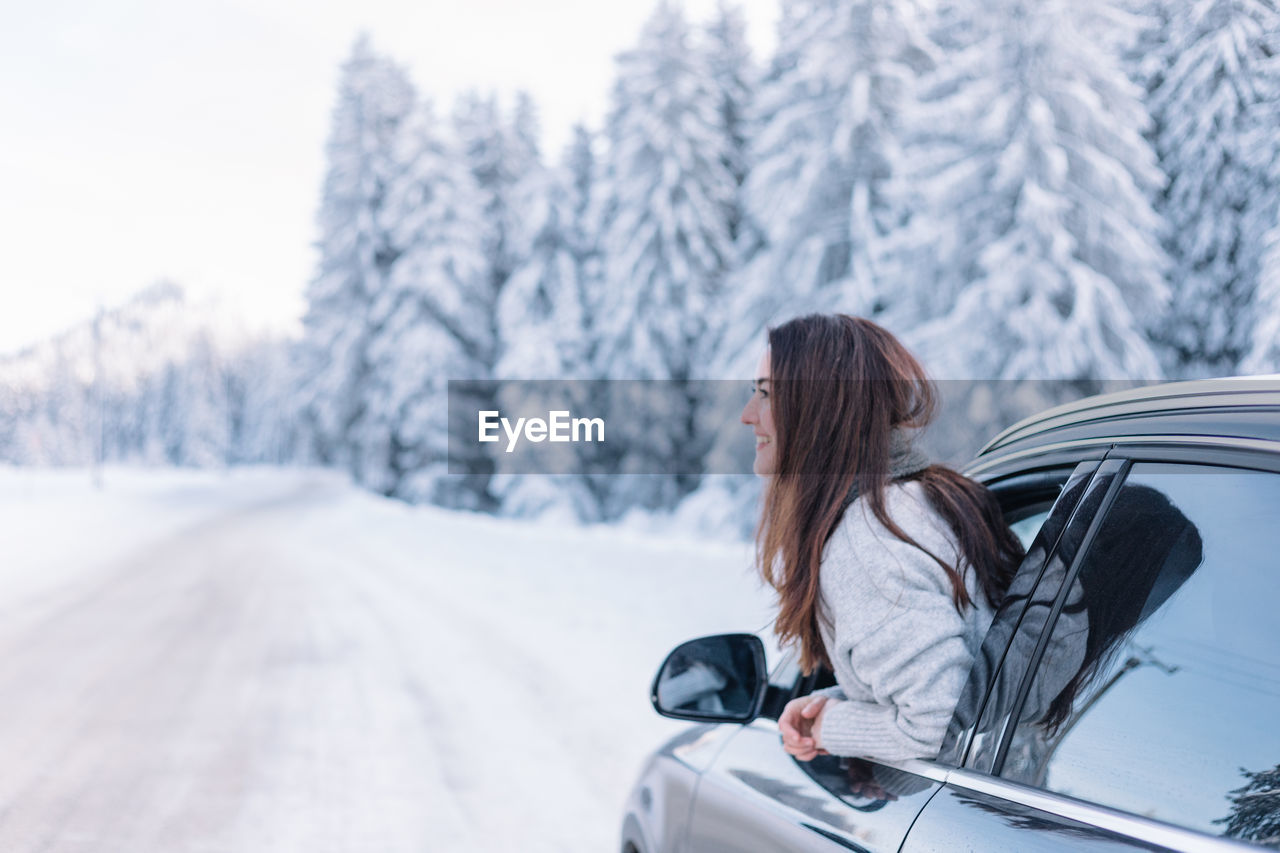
x=759 y=416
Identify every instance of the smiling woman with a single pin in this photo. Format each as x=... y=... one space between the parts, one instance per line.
x=887 y=567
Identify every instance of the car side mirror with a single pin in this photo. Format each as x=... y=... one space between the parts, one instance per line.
x=720 y=679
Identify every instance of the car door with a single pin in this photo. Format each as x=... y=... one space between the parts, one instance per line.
x=756 y=797
x=1144 y=714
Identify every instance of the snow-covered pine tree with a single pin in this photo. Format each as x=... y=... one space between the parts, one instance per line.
x=1221 y=76
x=1033 y=182
x=375 y=98
x=583 y=238
x=542 y=310
x=200 y=413
x=1261 y=151
x=1145 y=57
x=919 y=258
x=262 y=404
x=1255 y=808
x=666 y=241
x=503 y=155
x=13 y=412
x=1264 y=355
x=432 y=321
x=545 y=321
x=827 y=145
x=733 y=70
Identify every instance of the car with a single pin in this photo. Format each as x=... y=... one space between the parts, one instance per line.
x=1126 y=696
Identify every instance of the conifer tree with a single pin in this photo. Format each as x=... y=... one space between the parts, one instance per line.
x=546 y=324
x=827 y=147
x=1264 y=354
x=666 y=242
x=502 y=154
x=1255 y=808
x=733 y=71
x=1219 y=79
x=1031 y=192
x=356 y=248
x=543 y=311
x=433 y=321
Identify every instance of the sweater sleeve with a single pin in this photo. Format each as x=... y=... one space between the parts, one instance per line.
x=898 y=632
x=835 y=691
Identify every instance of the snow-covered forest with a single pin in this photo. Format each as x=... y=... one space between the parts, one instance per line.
x=1021 y=189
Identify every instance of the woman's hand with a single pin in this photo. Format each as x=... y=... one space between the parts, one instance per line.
x=801 y=727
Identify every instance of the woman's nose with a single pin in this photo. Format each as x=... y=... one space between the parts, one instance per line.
x=748 y=413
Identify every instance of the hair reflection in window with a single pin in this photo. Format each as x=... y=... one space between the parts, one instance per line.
x=1133 y=569
x=1146 y=550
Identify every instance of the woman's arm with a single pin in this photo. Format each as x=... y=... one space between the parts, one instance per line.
x=898 y=632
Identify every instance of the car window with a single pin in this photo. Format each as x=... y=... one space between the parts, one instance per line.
x=1011 y=626
x=1158 y=691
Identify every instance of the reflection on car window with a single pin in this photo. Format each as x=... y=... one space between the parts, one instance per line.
x=1159 y=691
x=1018 y=624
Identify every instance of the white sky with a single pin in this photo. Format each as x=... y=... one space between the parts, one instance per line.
x=144 y=139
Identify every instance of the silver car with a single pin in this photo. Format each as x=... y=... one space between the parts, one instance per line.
x=1127 y=695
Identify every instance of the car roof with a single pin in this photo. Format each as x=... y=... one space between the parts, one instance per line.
x=1235 y=411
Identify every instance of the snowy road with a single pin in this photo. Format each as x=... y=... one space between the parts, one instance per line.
x=293 y=665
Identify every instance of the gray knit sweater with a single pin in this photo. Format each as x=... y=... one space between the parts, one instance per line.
x=900 y=651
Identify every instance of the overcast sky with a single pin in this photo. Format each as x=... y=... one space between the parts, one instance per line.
x=145 y=139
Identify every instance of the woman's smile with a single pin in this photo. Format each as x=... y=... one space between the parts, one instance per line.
x=758 y=414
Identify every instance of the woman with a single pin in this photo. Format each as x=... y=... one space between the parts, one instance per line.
x=887 y=568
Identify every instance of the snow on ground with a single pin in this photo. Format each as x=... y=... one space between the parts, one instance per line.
x=274 y=660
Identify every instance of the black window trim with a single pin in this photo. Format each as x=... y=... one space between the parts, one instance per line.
x=1117 y=470
x=1089 y=470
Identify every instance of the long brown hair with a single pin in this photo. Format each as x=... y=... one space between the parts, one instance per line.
x=839 y=387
